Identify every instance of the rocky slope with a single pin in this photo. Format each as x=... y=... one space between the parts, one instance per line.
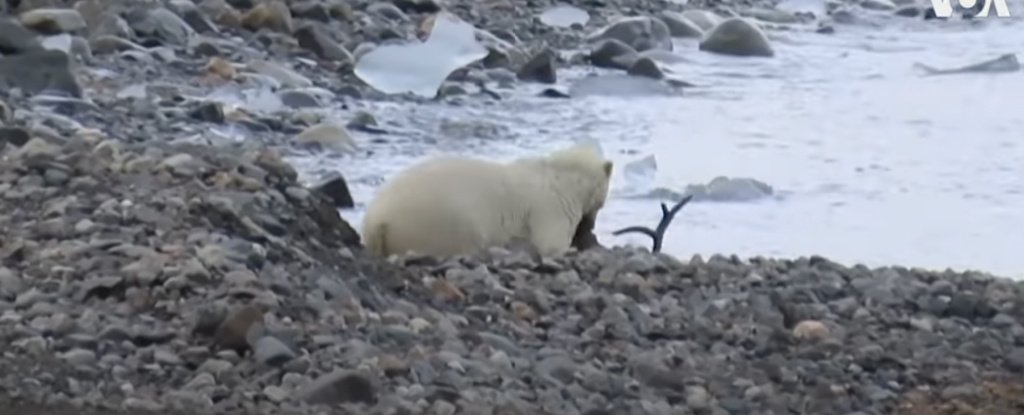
x=180 y=278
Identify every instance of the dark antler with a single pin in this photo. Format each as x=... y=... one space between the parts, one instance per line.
x=658 y=233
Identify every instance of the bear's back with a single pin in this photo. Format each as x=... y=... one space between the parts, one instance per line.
x=444 y=206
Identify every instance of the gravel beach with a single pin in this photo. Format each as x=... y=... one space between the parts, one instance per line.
x=148 y=265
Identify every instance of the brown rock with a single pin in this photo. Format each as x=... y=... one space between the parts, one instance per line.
x=447 y=291
x=273 y=15
x=232 y=332
x=221 y=68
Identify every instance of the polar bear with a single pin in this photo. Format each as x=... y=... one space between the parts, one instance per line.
x=456 y=205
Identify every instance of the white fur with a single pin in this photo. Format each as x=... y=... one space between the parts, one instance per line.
x=456 y=205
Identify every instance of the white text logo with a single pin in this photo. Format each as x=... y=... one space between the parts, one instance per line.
x=944 y=8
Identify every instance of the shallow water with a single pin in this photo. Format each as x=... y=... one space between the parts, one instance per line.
x=875 y=163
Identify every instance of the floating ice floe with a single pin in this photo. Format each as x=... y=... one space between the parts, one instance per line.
x=421 y=67
x=641 y=170
x=564 y=16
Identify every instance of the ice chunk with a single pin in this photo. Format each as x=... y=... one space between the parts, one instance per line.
x=421 y=67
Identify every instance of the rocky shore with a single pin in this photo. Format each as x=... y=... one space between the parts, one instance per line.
x=147 y=277
x=150 y=263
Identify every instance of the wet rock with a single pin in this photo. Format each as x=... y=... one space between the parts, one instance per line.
x=679 y=26
x=640 y=33
x=336 y=188
x=364 y=121
x=540 y=68
x=327 y=136
x=704 y=19
x=909 y=11
x=40 y=70
x=613 y=54
x=209 y=112
x=772 y=15
x=646 y=67
x=737 y=37
x=314 y=39
x=15 y=38
x=304 y=97
x=53 y=21
x=620 y=86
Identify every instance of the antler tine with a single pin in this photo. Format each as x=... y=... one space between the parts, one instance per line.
x=658 y=234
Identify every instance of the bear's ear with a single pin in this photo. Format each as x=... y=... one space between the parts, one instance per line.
x=608 y=168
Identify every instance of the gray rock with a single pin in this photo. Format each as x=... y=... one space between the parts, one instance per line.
x=680 y=26
x=640 y=33
x=335 y=187
x=340 y=386
x=316 y=40
x=162 y=24
x=34 y=72
x=540 y=68
x=15 y=38
x=53 y=21
x=613 y=53
x=270 y=351
x=737 y=37
x=646 y=67
x=704 y=19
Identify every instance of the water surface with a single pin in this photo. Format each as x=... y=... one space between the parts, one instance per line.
x=873 y=162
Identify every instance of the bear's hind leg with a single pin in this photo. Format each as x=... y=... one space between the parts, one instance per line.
x=551 y=236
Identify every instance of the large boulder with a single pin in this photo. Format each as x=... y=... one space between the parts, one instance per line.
x=702 y=18
x=737 y=36
x=641 y=33
x=680 y=26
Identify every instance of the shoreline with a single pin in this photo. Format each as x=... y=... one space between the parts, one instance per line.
x=150 y=305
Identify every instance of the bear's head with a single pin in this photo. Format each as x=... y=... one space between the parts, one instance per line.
x=591 y=177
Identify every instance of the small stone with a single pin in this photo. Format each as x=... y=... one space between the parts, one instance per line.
x=272 y=352
x=276 y=393
x=233 y=331
x=336 y=189
x=340 y=386
x=79 y=357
